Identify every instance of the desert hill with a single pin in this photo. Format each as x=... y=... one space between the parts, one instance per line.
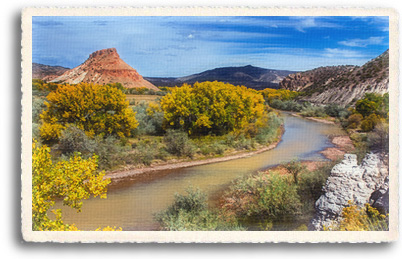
x=103 y=67
x=45 y=72
x=341 y=84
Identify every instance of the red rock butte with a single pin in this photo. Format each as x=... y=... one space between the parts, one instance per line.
x=103 y=67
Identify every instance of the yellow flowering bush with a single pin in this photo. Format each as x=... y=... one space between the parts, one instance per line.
x=355 y=218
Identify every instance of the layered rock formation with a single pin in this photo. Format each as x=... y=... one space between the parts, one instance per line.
x=45 y=72
x=341 y=84
x=103 y=67
x=361 y=184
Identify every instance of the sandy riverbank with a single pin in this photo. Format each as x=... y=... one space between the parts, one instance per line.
x=343 y=144
x=314 y=119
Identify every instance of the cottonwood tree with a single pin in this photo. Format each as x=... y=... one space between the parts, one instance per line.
x=71 y=181
x=96 y=109
x=212 y=107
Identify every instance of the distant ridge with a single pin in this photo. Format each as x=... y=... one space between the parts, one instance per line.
x=249 y=76
x=103 y=67
x=341 y=84
x=45 y=72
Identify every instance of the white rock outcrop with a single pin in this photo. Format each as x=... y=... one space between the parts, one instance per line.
x=349 y=181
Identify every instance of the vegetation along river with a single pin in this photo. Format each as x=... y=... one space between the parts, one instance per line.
x=132 y=204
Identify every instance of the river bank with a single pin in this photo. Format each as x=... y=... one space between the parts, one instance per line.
x=343 y=145
x=326 y=121
x=119 y=175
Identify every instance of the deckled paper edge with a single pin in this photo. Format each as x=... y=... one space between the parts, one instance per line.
x=203 y=236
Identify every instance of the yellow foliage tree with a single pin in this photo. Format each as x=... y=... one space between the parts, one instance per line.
x=96 y=109
x=212 y=107
x=281 y=94
x=72 y=181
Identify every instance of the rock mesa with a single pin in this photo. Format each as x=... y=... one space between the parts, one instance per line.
x=103 y=67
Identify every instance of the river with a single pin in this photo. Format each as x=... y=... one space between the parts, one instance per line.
x=133 y=204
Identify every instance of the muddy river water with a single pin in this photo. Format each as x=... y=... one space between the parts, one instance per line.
x=132 y=204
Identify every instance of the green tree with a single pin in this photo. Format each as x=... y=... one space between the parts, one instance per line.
x=294 y=168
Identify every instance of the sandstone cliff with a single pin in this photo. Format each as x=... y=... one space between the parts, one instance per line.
x=341 y=84
x=361 y=184
x=103 y=67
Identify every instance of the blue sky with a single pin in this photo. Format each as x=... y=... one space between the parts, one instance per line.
x=184 y=45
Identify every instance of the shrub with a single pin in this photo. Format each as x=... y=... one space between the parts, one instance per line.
x=240 y=142
x=73 y=139
x=354 y=121
x=311 y=183
x=146 y=151
x=144 y=91
x=369 y=123
x=190 y=213
x=355 y=218
x=269 y=133
x=336 y=111
x=38 y=88
x=178 y=143
x=117 y=86
x=288 y=105
x=195 y=201
x=361 y=145
x=218 y=148
x=149 y=117
x=369 y=104
x=35 y=131
x=37 y=107
x=50 y=131
x=378 y=139
x=264 y=198
x=109 y=150
x=313 y=111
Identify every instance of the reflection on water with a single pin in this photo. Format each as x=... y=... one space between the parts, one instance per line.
x=133 y=206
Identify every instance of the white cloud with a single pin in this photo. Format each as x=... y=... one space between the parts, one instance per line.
x=362 y=42
x=341 y=53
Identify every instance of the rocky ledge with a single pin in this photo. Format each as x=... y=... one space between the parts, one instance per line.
x=349 y=181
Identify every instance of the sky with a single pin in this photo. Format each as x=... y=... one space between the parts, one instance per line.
x=174 y=46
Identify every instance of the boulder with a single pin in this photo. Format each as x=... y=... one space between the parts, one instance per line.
x=349 y=181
